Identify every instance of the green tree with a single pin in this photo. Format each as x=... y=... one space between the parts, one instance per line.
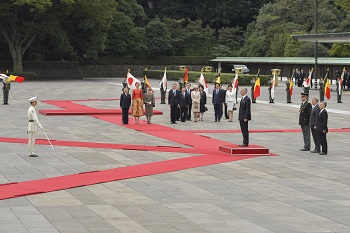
x=285 y=17
x=83 y=21
x=158 y=38
x=340 y=50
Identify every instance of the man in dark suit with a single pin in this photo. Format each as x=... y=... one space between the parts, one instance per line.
x=322 y=127
x=125 y=102
x=6 y=90
x=217 y=101
x=189 y=109
x=173 y=101
x=314 y=113
x=304 y=119
x=184 y=102
x=244 y=115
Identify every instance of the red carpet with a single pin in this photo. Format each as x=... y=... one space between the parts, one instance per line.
x=208 y=147
x=87 y=112
x=26 y=188
x=104 y=145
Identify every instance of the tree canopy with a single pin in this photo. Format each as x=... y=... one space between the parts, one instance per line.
x=88 y=29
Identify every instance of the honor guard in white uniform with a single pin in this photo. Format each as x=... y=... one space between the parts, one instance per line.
x=33 y=126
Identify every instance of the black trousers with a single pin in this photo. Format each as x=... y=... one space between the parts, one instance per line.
x=178 y=112
x=323 y=141
x=183 y=113
x=189 y=110
x=338 y=97
x=245 y=132
x=125 y=115
x=218 y=111
x=6 y=96
x=226 y=113
x=173 y=111
x=321 y=95
x=289 y=97
x=315 y=136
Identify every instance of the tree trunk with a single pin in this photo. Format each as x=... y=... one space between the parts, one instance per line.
x=17 y=58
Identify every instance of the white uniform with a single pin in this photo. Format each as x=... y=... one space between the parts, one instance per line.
x=33 y=125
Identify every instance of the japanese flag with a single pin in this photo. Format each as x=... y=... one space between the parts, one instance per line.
x=203 y=82
x=131 y=80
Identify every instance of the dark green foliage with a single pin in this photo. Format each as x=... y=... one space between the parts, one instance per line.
x=27 y=75
x=210 y=77
x=173 y=60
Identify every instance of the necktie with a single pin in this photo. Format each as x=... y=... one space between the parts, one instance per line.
x=174 y=93
x=217 y=91
x=184 y=94
x=188 y=91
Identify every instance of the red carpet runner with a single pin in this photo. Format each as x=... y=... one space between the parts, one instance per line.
x=208 y=147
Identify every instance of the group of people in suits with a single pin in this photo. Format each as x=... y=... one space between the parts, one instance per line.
x=314 y=117
x=186 y=101
x=136 y=102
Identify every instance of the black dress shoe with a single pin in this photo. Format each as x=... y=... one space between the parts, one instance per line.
x=243 y=145
x=33 y=155
x=322 y=153
x=315 y=151
x=215 y=121
x=304 y=149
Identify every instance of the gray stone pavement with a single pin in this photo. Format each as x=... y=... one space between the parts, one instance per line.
x=292 y=192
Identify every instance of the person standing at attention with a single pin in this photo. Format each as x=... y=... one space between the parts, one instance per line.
x=304 y=118
x=314 y=114
x=137 y=103
x=173 y=101
x=149 y=101
x=203 y=108
x=196 y=97
x=244 y=115
x=125 y=102
x=33 y=125
x=217 y=101
x=322 y=127
x=230 y=102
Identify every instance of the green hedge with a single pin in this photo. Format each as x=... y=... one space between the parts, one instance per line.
x=150 y=61
x=42 y=65
x=27 y=75
x=210 y=77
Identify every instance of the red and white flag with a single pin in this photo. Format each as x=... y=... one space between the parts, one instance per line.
x=131 y=80
x=340 y=83
x=203 y=82
x=273 y=86
x=235 y=83
x=307 y=82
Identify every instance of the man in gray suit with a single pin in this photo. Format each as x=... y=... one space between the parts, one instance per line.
x=314 y=113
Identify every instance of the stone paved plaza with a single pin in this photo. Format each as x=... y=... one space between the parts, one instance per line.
x=289 y=193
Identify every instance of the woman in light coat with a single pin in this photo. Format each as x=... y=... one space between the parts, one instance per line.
x=196 y=97
x=230 y=101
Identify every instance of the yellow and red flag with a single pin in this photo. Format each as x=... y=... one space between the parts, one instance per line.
x=148 y=84
x=15 y=78
x=327 y=89
x=186 y=76
x=257 y=86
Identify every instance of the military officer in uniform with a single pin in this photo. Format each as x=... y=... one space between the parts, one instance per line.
x=181 y=83
x=143 y=86
x=6 y=91
x=125 y=84
x=321 y=83
x=270 y=88
x=304 y=119
x=339 y=91
x=162 y=94
x=252 y=83
x=289 y=97
x=33 y=125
